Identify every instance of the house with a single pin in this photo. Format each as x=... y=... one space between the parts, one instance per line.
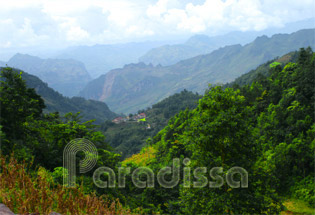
x=142 y=115
x=118 y=120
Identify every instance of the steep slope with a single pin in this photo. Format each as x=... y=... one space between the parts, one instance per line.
x=99 y=59
x=263 y=70
x=66 y=76
x=267 y=129
x=55 y=102
x=196 y=45
x=129 y=138
x=202 y=44
x=138 y=86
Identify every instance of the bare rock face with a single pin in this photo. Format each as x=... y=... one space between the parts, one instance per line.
x=4 y=210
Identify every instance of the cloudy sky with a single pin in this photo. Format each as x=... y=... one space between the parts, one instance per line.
x=58 y=23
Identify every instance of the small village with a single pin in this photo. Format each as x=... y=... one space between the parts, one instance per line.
x=141 y=117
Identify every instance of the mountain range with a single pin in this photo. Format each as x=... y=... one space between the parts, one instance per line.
x=137 y=86
x=99 y=59
x=66 y=76
x=203 y=44
x=128 y=138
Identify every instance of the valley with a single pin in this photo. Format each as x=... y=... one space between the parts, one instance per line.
x=163 y=107
x=138 y=86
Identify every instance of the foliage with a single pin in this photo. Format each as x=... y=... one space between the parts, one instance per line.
x=55 y=102
x=128 y=138
x=25 y=191
x=294 y=206
x=17 y=103
x=142 y=158
x=266 y=127
x=304 y=189
x=274 y=64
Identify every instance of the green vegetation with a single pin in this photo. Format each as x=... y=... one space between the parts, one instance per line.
x=294 y=206
x=266 y=127
x=129 y=137
x=263 y=70
x=27 y=191
x=28 y=135
x=28 y=132
x=55 y=102
x=274 y=64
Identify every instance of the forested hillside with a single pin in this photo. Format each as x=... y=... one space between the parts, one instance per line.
x=263 y=69
x=128 y=138
x=55 y=102
x=137 y=86
x=265 y=128
x=32 y=145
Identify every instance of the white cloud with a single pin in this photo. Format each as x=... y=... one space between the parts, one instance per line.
x=75 y=33
x=217 y=14
x=162 y=6
x=59 y=22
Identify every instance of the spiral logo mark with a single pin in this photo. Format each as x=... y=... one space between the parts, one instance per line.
x=69 y=159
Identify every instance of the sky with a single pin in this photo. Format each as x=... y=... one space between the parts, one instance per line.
x=61 y=23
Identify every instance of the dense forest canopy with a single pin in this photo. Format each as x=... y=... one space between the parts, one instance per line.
x=266 y=127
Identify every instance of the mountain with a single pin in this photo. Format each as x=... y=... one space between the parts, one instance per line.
x=128 y=138
x=196 y=45
x=203 y=44
x=267 y=129
x=99 y=59
x=263 y=69
x=138 y=86
x=66 y=76
x=55 y=102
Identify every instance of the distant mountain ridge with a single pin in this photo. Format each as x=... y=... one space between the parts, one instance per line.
x=99 y=59
x=137 y=86
x=66 y=76
x=202 y=44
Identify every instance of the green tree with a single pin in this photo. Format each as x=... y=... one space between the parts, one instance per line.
x=17 y=103
x=221 y=134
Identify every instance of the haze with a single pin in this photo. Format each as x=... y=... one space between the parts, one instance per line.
x=46 y=24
